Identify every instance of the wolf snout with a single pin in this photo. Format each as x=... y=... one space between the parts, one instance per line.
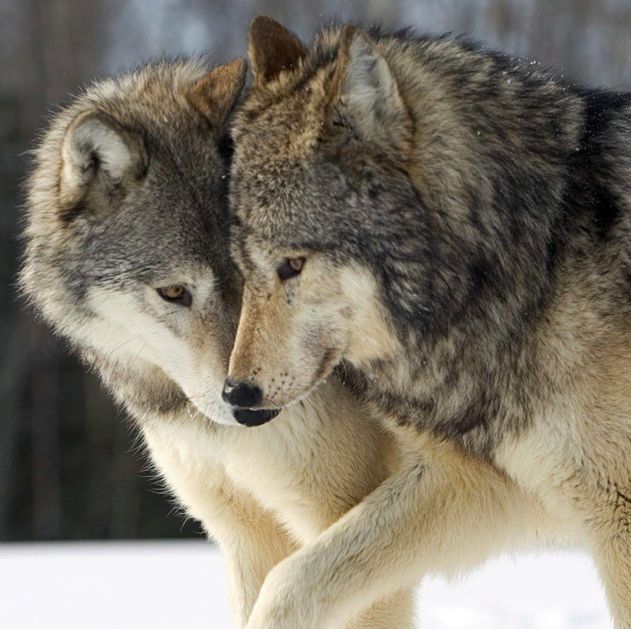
x=241 y=394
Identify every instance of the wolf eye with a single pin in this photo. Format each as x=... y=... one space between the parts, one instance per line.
x=290 y=268
x=176 y=294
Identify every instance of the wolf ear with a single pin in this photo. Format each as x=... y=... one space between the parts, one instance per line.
x=216 y=93
x=271 y=49
x=99 y=154
x=366 y=90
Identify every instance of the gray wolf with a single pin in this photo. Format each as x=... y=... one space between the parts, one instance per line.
x=450 y=227
x=127 y=257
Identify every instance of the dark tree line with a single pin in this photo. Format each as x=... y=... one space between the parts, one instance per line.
x=68 y=464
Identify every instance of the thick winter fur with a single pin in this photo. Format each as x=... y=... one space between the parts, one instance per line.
x=127 y=196
x=463 y=222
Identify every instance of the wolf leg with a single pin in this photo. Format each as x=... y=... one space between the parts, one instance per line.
x=441 y=511
x=603 y=497
x=613 y=556
x=601 y=511
x=251 y=541
x=578 y=465
x=607 y=497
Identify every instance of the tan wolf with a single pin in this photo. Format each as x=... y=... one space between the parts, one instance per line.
x=127 y=257
x=450 y=228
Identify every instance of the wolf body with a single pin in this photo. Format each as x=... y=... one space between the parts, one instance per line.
x=451 y=228
x=127 y=257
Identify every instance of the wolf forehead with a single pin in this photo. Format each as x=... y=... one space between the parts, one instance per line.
x=278 y=166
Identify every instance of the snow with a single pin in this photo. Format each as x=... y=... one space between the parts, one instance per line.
x=543 y=591
x=160 y=585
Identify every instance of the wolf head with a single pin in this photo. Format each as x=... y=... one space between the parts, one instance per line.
x=321 y=129
x=390 y=192
x=126 y=234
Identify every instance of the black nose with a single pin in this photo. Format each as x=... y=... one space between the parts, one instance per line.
x=241 y=394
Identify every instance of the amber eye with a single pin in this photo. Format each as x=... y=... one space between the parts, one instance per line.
x=176 y=294
x=290 y=268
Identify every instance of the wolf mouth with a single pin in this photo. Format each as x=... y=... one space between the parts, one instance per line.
x=255 y=417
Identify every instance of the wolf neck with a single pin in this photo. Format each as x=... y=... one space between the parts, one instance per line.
x=509 y=213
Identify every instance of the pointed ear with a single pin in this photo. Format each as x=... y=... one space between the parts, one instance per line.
x=99 y=155
x=216 y=93
x=367 y=94
x=271 y=49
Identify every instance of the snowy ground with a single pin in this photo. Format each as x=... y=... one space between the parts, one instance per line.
x=161 y=585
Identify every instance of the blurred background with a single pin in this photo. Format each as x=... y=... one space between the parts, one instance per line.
x=69 y=467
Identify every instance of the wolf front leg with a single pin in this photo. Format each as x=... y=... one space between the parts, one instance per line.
x=251 y=541
x=595 y=495
x=613 y=555
x=599 y=493
x=442 y=511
